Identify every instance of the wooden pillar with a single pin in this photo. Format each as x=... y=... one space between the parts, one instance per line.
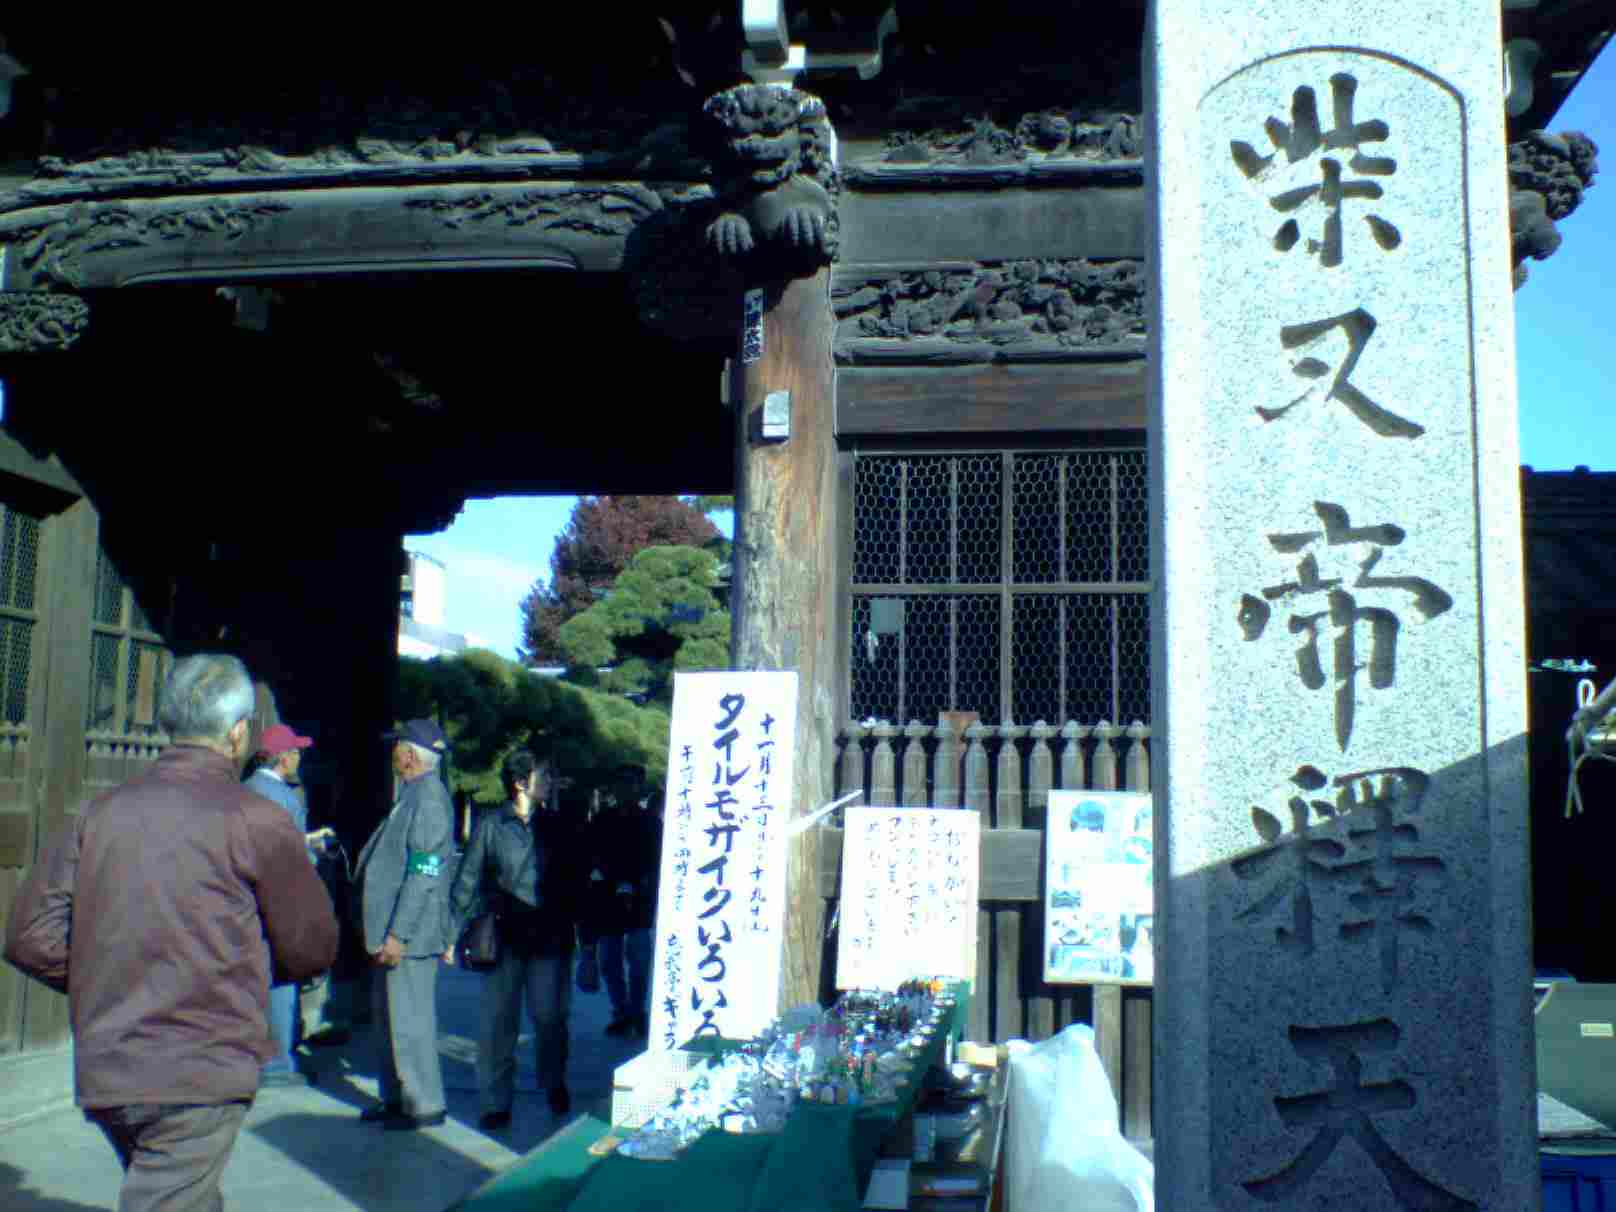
x=71 y=541
x=785 y=580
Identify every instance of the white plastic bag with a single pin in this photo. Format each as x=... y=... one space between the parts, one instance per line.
x=1066 y=1150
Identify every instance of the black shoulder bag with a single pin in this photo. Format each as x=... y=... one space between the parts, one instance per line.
x=479 y=942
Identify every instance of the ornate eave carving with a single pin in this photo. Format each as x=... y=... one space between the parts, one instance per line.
x=772 y=215
x=38 y=322
x=774 y=176
x=1005 y=311
x=662 y=155
x=1052 y=134
x=1548 y=175
x=237 y=237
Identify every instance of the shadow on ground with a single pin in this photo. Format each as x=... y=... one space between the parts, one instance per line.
x=15 y=1196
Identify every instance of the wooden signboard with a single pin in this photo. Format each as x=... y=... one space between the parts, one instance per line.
x=910 y=880
x=1099 y=893
x=721 y=901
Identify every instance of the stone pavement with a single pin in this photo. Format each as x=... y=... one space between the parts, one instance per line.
x=304 y=1150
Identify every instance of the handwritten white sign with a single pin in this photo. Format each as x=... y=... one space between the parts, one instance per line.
x=721 y=901
x=909 y=896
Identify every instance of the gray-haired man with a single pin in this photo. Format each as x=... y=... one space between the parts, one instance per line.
x=404 y=873
x=161 y=912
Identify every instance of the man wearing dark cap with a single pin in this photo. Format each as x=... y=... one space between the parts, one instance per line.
x=280 y=752
x=404 y=876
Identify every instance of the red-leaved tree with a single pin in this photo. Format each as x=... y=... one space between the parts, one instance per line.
x=602 y=536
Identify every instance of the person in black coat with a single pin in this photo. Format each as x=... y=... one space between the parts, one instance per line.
x=521 y=863
x=625 y=848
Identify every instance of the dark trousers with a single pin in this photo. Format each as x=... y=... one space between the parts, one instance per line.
x=546 y=981
x=631 y=997
x=172 y=1156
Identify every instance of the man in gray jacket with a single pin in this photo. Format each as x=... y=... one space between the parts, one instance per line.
x=404 y=876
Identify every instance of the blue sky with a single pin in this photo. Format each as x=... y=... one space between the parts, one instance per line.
x=1565 y=331
x=1565 y=315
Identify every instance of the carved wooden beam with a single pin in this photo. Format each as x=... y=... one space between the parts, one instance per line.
x=311 y=233
x=38 y=322
x=1034 y=310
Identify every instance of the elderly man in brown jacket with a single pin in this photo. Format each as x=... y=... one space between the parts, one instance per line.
x=163 y=912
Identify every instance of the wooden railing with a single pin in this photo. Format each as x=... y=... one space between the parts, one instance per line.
x=113 y=758
x=1005 y=773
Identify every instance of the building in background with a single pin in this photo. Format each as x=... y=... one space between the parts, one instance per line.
x=422 y=598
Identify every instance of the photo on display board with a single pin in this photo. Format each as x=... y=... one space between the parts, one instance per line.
x=1099 y=899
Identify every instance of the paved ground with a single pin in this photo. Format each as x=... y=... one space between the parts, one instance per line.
x=306 y=1151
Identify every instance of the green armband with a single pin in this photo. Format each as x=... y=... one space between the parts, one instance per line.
x=424 y=862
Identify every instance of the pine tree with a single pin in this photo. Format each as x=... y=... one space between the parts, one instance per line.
x=601 y=538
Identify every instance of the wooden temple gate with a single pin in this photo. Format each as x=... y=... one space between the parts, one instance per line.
x=388 y=249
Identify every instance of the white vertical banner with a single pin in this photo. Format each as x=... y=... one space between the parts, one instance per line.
x=721 y=900
x=910 y=879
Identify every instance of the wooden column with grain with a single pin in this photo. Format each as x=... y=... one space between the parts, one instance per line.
x=71 y=542
x=784 y=589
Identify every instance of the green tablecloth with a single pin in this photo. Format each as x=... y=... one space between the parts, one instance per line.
x=819 y=1163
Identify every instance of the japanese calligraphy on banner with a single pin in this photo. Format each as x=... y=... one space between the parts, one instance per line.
x=721 y=900
x=1100 y=894
x=909 y=893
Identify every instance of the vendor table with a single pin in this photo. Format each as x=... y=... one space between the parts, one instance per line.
x=819 y=1163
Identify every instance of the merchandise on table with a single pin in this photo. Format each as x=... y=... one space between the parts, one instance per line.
x=863 y=1050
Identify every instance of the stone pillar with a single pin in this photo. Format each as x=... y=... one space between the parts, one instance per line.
x=1343 y=981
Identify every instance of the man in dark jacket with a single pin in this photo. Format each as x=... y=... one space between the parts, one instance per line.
x=404 y=877
x=162 y=912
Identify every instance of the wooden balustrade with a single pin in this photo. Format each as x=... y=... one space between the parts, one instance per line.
x=1004 y=773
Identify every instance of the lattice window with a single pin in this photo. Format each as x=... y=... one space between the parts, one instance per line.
x=19 y=609
x=128 y=659
x=1009 y=583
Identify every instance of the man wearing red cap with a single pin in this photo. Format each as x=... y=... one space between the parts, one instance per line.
x=280 y=751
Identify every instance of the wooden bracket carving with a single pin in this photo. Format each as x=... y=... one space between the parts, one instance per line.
x=36 y=321
x=1548 y=175
x=774 y=170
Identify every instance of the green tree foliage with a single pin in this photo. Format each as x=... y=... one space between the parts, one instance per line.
x=489 y=706
x=664 y=613
x=599 y=540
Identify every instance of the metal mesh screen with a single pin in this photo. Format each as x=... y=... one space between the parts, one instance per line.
x=945 y=659
x=1133 y=517
x=1036 y=506
x=103 y=682
x=877 y=507
x=1037 y=690
x=19 y=560
x=981 y=521
x=19 y=587
x=927 y=520
x=16 y=648
x=108 y=592
x=1078 y=523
